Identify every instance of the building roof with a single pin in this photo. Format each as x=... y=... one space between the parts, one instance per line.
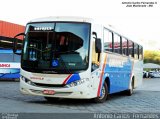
x=151 y=66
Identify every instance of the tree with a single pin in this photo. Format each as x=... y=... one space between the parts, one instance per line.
x=151 y=56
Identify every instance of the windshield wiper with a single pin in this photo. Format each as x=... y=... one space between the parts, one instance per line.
x=64 y=66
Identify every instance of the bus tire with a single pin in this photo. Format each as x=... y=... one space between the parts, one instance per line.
x=104 y=94
x=130 y=91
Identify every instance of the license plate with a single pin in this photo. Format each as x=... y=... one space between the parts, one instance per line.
x=49 y=92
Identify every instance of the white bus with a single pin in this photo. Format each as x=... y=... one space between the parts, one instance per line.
x=70 y=57
x=9 y=62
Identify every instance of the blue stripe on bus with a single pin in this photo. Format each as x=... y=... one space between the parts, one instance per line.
x=119 y=77
x=73 y=78
x=9 y=73
x=10 y=76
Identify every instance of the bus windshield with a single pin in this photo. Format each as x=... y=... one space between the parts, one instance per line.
x=56 y=47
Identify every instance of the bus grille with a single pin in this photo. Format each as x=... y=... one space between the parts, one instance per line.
x=49 y=85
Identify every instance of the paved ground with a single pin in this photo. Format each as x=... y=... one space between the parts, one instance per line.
x=145 y=99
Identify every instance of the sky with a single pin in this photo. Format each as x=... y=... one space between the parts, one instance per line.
x=141 y=24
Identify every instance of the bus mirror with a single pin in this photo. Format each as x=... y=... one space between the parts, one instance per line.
x=94 y=33
x=98 y=45
x=17 y=43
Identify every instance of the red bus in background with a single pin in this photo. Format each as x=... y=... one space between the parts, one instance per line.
x=9 y=62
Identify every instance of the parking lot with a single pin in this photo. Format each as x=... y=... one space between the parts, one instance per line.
x=145 y=99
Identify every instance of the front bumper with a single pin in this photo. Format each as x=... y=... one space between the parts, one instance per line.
x=83 y=91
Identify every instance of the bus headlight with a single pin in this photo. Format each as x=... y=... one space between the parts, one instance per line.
x=27 y=81
x=24 y=79
x=78 y=82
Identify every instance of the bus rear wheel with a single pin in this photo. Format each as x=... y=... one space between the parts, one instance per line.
x=104 y=95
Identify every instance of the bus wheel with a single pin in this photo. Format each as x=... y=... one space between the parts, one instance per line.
x=104 y=96
x=130 y=91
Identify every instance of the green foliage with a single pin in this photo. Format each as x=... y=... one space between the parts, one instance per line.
x=152 y=56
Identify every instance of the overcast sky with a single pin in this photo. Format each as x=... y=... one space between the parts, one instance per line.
x=141 y=24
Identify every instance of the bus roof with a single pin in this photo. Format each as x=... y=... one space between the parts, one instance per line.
x=78 y=19
x=62 y=18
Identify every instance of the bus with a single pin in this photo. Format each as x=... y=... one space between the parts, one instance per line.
x=9 y=62
x=74 y=57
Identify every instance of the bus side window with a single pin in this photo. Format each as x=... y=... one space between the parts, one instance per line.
x=107 y=40
x=95 y=62
x=131 y=48
x=135 y=51
x=6 y=55
x=117 y=48
x=124 y=46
